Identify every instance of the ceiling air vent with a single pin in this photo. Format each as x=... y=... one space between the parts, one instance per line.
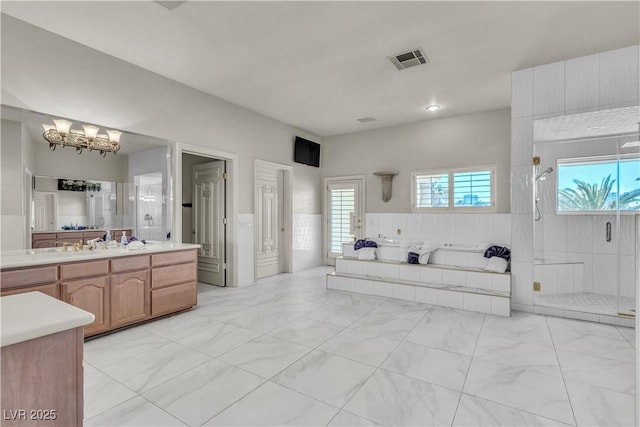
x=367 y=119
x=409 y=59
x=170 y=5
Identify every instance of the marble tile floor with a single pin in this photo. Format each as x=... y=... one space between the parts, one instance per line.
x=287 y=351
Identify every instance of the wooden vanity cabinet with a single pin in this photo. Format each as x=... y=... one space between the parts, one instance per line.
x=119 y=291
x=174 y=283
x=86 y=285
x=43 y=279
x=130 y=290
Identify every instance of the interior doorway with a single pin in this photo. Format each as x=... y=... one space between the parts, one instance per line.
x=204 y=214
x=273 y=218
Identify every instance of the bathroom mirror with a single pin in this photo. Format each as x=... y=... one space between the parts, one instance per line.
x=134 y=184
x=75 y=204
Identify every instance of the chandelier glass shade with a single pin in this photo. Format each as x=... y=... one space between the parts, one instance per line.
x=61 y=134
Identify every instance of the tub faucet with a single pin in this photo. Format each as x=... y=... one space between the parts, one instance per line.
x=64 y=245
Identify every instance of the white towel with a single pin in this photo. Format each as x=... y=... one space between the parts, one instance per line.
x=423 y=257
x=496 y=264
x=366 y=253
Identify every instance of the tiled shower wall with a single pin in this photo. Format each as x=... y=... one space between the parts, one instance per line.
x=490 y=228
x=596 y=82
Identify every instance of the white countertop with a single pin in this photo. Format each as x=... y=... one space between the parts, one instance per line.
x=33 y=315
x=31 y=257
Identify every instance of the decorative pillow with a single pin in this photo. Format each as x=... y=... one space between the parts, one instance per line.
x=497 y=264
x=366 y=253
x=413 y=258
x=364 y=243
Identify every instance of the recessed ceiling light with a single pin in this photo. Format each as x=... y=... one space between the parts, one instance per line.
x=433 y=108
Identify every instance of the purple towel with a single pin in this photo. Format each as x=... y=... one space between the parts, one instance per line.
x=499 y=251
x=362 y=243
x=413 y=258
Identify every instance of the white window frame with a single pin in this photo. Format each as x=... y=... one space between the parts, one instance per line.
x=451 y=206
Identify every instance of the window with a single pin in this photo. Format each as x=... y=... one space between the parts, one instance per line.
x=342 y=207
x=462 y=190
x=598 y=184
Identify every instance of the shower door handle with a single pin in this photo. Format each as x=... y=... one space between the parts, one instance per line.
x=608 y=231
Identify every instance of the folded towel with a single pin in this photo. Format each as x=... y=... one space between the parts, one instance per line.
x=497 y=264
x=413 y=257
x=363 y=243
x=498 y=251
x=423 y=258
x=366 y=253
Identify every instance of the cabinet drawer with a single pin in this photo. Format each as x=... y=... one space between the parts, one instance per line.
x=49 y=289
x=84 y=269
x=76 y=237
x=129 y=263
x=169 y=258
x=173 y=298
x=43 y=236
x=28 y=276
x=173 y=274
x=38 y=244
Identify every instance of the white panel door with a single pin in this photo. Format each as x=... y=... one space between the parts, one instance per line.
x=44 y=211
x=345 y=211
x=269 y=211
x=209 y=221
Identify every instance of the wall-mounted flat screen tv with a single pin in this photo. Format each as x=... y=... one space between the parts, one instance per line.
x=306 y=152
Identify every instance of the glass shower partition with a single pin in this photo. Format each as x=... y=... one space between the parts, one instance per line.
x=586 y=203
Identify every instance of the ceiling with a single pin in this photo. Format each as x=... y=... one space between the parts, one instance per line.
x=320 y=66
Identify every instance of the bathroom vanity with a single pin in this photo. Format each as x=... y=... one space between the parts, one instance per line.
x=118 y=286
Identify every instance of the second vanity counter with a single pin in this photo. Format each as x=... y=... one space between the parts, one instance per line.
x=119 y=287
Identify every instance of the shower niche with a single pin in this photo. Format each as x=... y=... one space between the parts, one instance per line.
x=586 y=216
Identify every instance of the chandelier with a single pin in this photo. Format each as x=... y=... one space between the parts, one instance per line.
x=61 y=134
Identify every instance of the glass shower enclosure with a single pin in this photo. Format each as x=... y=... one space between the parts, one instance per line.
x=586 y=220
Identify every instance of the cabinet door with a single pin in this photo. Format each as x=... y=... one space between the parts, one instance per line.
x=91 y=295
x=129 y=298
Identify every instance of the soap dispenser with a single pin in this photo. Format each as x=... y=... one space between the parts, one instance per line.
x=123 y=240
x=107 y=237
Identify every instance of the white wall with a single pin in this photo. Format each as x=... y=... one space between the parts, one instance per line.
x=469 y=140
x=12 y=180
x=118 y=95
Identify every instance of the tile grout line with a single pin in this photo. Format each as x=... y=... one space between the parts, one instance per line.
x=382 y=363
x=466 y=377
x=564 y=382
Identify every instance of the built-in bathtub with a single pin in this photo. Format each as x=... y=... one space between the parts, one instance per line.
x=458 y=254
